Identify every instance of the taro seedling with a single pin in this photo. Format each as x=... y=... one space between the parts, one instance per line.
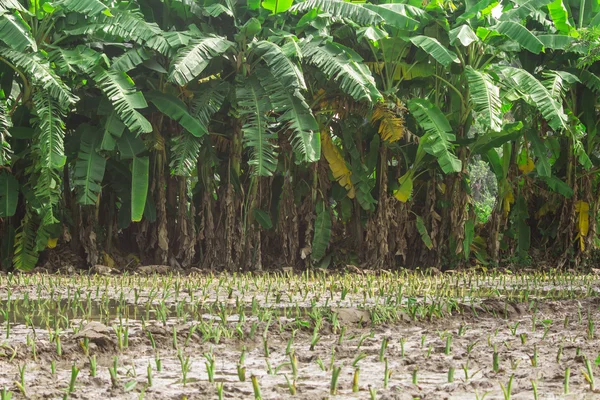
x=588 y=373
x=362 y=339
x=149 y=374
x=255 y=387
x=294 y=365
x=210 y=366
x=291 y=384
x=547 y=325
x=402 y=344
x=321 y=364
x=534 y=357
x=384 y=344
x=219 y=386
x=450 y=374
x=513 y=328
x=5 y=394
x=113 y=374
x=507 y=390
x=534 y=387
x=448 y=348
x=92 y=361
x=495 y=360
x=158 y=362
x=315 y=338
x=241 y=370
x=559 y=353
x=185 y=364
x=74 y=373
x=355 y=378
x=523 y=337
x=358 y=357
x=335 y=374
x=21 y=382
x=372 y=393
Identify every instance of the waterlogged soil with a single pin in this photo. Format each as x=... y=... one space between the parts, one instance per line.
x=536 y=341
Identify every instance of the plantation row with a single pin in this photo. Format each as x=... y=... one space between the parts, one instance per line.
x=402 y=335
x=243 y=134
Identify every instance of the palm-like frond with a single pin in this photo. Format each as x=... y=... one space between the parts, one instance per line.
x=280 y=64
x=48 y=152
x=11 y=5
x=536 y=94
x=438 y=134
x=185 y=151
x=590 y=80
x=187 y=8
x=130 y=59
x=476 y=9
x=50 y=131
x=485 y=96
x=87 y=7
x=127 y=25
x=208 y=100
x=112 y=131
x=38 y=69
x=89 y=169
x=175 y=109
x=523 y=10
x=130 y=146
x=216 y=9
x=298 y=117
x=435 y=49
x=521 y=35
x=254 y=107
x=191 y=60
x=15 y=32
x=80 y=59
x=295 y=115
x=340 y=65
x=395 y=15
x=557 y=42
x=176 y=39
x=121 y=91
x=557 y=82
x=464 y=34
x=343 y=9
x=26 y=254
x=560 y=16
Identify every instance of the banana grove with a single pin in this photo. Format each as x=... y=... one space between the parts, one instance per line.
x=249 y=134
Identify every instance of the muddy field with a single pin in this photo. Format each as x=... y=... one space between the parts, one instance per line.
x=275 y=336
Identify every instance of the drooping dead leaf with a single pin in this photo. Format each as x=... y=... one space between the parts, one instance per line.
x=305 y=252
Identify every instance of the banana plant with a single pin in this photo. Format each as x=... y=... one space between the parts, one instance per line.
x=35 y=102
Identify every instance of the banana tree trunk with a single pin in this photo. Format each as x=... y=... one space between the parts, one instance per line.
x=186 y=233
x=162 y=235
x=233 y=204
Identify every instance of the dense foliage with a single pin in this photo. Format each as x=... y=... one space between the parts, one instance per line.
x=243 y=134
